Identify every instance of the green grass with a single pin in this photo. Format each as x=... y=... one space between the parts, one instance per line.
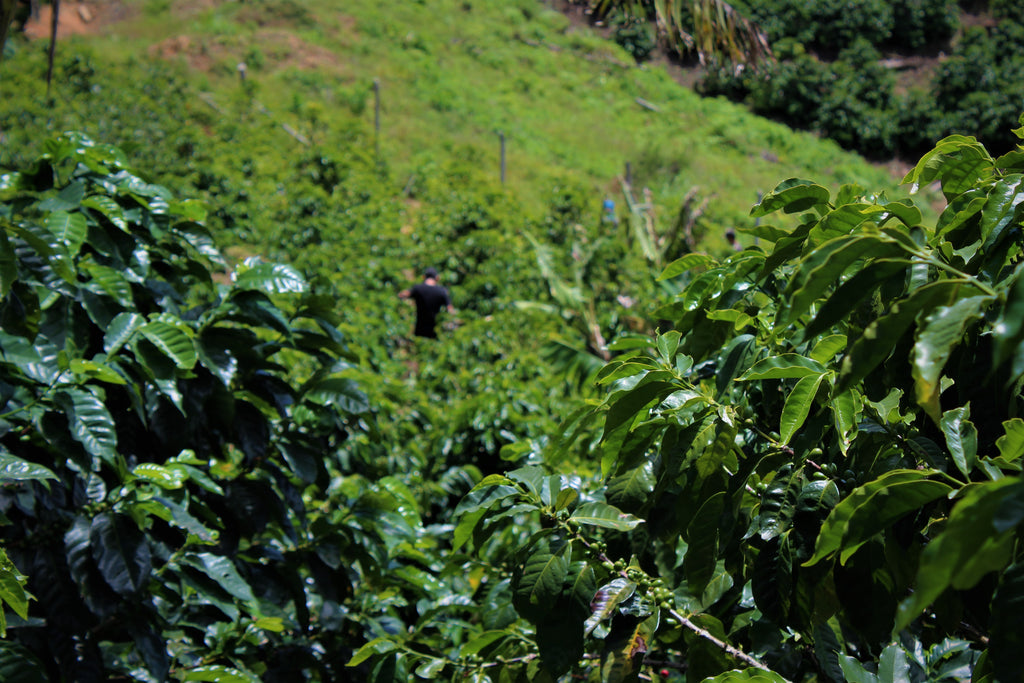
x=455 y=73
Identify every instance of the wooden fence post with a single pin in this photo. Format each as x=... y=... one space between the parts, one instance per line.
x=376 y=118
x=501 y=134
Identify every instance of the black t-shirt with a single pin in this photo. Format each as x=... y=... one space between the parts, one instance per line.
x=430 y=300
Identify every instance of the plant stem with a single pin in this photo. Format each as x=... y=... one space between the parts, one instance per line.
x=707 y=635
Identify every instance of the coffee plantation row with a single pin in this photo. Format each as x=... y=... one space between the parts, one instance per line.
x=811 y=470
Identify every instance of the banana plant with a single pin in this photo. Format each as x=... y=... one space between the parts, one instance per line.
x=714 y=30
x=576 y=304
x=661 y=246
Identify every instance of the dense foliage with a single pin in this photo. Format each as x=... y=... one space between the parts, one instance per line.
x=853 y=99
x=832 y=26
x=218 y=468
x=816 y=474
x=191 y=483
x=828 y=75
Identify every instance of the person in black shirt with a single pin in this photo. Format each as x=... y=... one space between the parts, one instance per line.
x=430 y=299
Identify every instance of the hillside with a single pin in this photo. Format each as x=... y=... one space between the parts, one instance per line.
x=453 y=76
x=633 y=451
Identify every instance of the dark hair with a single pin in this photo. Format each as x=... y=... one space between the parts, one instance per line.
x=430 y=272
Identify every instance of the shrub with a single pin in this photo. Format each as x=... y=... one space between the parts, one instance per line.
x=779 y=18
x=918 y=124
x=918 y=23
x=980 y=88
x=164 y=421
x=1010 y=10
x=838 y=23
x=635 y=37
x=774 y=467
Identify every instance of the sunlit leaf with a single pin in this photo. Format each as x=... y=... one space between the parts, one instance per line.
x=893 y=665
x=15 y=469
x=798 y=405
x=90 y=422
x=164 y=477
x=108 y=208
x=845 y=409
x=69 y=228
x=961 y=438
x=222 y=570
x=607 y=599
x=1001 y=209
x=340 y=392
x=792 y=196
x=120 y=331
x=684 y=265
x=938 y=334
x=827 y=348
x=12 y=591
x=111 y=282
x=956 y=161
x=1011 y=444
x=604 y=515
x=218 y=674
x=271 y=278
x=173 y=341
x=872 y=508
x=784 y=366
x=95 y=370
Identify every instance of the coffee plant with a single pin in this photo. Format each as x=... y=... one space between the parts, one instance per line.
x=191 y=484
x=815 y=474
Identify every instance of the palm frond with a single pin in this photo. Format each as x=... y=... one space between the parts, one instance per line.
x=718 y=33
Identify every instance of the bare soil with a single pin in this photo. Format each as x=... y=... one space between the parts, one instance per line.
x=77 y=18
x=280 y=47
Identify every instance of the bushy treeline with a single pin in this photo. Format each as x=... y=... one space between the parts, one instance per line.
x=831 y=25
x=829 y=73
x=854 y=100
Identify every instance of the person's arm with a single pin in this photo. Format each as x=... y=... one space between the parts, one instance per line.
x=405 y=294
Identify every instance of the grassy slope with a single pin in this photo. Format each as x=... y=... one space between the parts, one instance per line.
x=568 y=106
x=455 y=72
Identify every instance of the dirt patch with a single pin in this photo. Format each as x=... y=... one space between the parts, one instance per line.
x=278 y=49
x=347 y=33
x=77 y=18
x=286 y=50
x=198 y=55
x=579 y=16
x=968 y=19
